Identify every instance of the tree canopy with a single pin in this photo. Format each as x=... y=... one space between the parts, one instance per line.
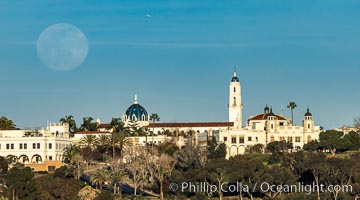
x=215 y=150
x=335 y=141
x=6 y=124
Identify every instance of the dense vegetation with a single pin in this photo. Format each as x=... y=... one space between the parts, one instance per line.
x=110 y=168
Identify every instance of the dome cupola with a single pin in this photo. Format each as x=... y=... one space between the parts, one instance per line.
x=266 y=109
x=136 y=113
x=235 y=78
x=308 y=114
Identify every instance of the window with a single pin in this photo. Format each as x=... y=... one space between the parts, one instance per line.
x=308 y=126
x=272 y=139
x=34 y=145
x=7 y=146
x=38 y=145
x=297 y=139
x=50 y=157
x=234 y=101
x=12 y=146
x=290 y=139
x=50 y=145
x=25 y=146
x=20 y=146
x=233 y=140
x=51 y=168
x=234 y=89
x=241 y=140
x=249 y=139
x=309 y=138
x=281 y=124
x=272 y=126
x=225 y=139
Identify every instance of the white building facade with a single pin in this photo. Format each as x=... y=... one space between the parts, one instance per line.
x=262 y=128
x=40 y=149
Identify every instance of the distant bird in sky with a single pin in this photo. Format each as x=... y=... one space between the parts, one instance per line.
x=148 y=15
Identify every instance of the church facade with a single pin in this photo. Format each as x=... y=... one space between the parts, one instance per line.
x=261 y=128
x=264 y=127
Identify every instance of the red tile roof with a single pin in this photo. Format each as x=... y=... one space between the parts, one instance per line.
x=264 y=116
x=93 y=132
x=191 y=124
x=104 y=126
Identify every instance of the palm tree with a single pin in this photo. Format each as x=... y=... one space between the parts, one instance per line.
x=117 y=178
x=113 y=141
x=72 y=157
x=145 y=131
x=69 y=119
x=118 y=137
x=138 y=131
x=292 y=105
x=69 y=153
x=123 y=142
x=6 y=124
x=103 y=144
x=154 y=117
x=88 y=124
x=88 y=141
x=115 y=123
x=103 y=140
x=99 y=178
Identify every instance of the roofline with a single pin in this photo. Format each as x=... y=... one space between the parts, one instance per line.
x=190 y=124
x=92 y=132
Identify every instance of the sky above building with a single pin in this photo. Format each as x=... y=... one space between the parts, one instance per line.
x=178 y=56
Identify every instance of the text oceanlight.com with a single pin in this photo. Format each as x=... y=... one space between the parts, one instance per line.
x=264 y=187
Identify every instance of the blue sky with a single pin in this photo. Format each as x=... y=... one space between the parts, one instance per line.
x=180 y=60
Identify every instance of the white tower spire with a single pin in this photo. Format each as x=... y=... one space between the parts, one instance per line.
x=135 y=99
x=235 y=103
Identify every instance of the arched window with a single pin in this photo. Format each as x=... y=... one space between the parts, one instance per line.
x=234 y=89
x=143 y=117
x=272 y=126
x=234 y=101
x=308 y=126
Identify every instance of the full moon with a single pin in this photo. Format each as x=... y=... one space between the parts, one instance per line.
x=62 y=47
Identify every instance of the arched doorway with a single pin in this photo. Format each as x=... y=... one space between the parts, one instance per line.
x=23 y=159
x=241 y=149
x=36 y=158
x=233 y=150
x=11 y=159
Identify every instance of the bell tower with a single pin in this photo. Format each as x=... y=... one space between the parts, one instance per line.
x=235 y=103
x=308 y=122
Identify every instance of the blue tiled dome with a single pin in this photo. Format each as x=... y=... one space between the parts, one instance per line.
x=136 y=112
